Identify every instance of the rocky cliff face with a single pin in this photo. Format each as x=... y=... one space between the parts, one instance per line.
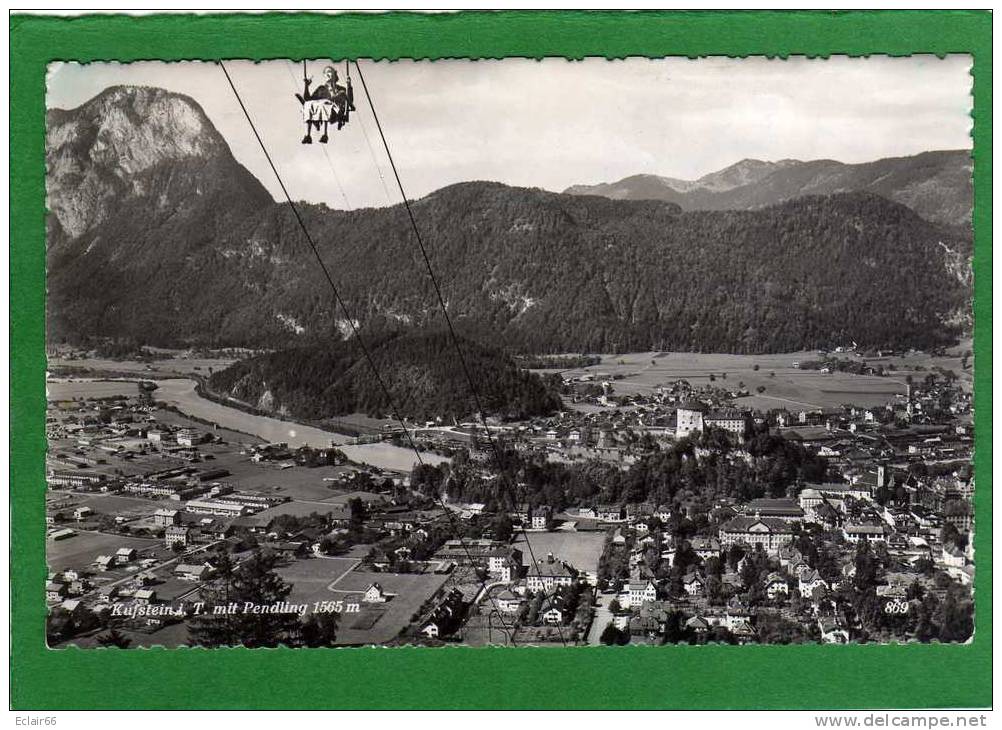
x=124 y=144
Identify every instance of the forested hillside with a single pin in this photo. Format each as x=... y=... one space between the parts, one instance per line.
x=170 y=242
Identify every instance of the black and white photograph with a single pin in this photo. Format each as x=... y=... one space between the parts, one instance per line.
x=509 y=352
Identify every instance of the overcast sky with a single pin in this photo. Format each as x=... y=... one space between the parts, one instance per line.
x=556 y=123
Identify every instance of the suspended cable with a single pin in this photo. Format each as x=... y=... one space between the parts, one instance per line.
x=445 y=312
x=354 y=328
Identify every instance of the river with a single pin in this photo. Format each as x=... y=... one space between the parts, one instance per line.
x=181 y=394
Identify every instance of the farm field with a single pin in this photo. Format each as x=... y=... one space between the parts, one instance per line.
x=60 y=389
x=785 y=386
x=302 y=508
x=580 y=549
x=116 y=505
x=311 y=576
x=172 y=364
x=83 y=548
x=297 y=482
x=410 y=592
x=374 y=623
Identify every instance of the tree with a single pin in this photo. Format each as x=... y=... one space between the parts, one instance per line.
x=611 y=635
x=319 y=630
x=503 y=528
x=114 y=638
x=866 y=568
x=238 y=592
x=956 y=618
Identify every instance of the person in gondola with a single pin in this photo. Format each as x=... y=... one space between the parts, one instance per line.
x=325 y=104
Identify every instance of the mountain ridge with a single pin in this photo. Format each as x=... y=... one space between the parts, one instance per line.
x=191 y=249
x=936 y=184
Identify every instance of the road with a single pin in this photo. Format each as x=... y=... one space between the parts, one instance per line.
x=601 y=619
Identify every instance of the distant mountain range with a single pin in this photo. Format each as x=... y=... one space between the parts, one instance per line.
x=936 y=185
x=157 y=234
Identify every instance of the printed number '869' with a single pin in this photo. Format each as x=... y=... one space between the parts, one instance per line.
x=896 y=606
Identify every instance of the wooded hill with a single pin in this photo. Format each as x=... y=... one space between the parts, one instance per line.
x=420 y=369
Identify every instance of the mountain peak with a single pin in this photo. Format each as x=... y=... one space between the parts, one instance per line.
x=111 y=146
x=130 y=129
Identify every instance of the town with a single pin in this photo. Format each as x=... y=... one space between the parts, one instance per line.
x=693 y=510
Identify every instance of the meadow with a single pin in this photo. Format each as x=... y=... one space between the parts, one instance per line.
x=786 y=386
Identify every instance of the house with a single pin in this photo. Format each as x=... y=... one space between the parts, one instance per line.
x=776 y=586
x=549 y=573
x=705 y=547
x=145 y=596
x=609 y=513
x=194 y=573
x=644 y=626
x=508 y=602
x=788 y=555
x=692 y=584
x=688 y=418
x=374 y=594
x=554 y=615
x=832 y=631
x=783 y=509
x=443 y=618
x=510 y=570
x=640 y=591
x=105 y=562
x=952 y=557
x=55 y=591
x=217 y=507
x=809 y=581
x=191 y=437
x=698 y=624
x=82 y=513
x=540 y=517
x=742 y=630
x=125 y=555
x=855 y=533
x=166 y=517
x=507 y=569
x=176 y=535
x=290 y=550
x=639 y=512
x=731 y=420
x=769 y=532
x=72 y=605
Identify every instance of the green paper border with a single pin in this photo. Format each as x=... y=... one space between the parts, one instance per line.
x=717 y=677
